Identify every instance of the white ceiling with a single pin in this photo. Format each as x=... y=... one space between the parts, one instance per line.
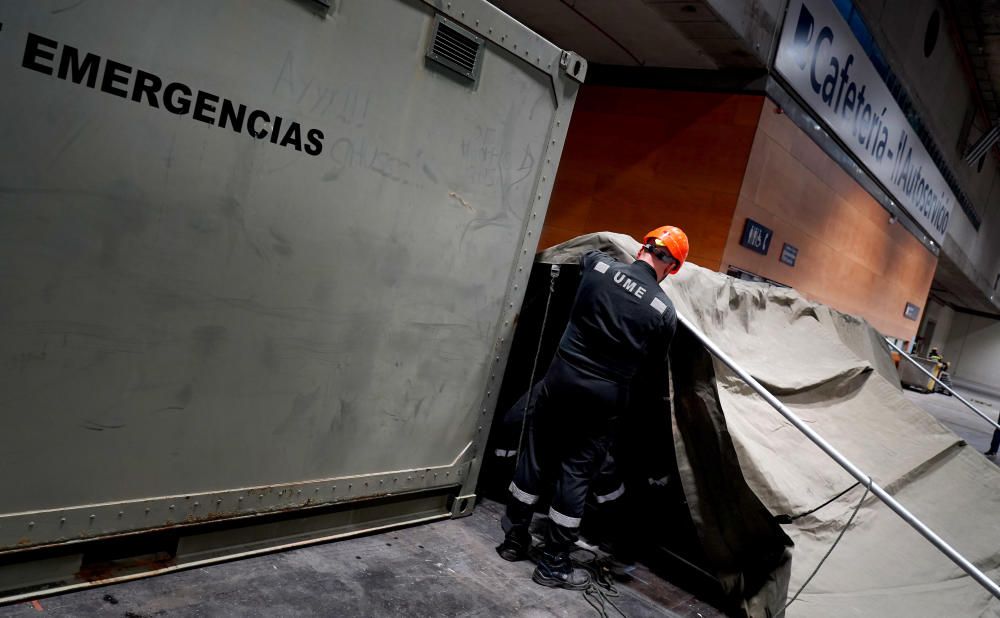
x=652 y=33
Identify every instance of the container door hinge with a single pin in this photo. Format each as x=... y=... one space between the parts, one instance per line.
x=573 y=65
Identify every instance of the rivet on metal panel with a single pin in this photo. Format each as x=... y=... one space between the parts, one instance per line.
x=447 y=473
x=92 y=516
x=529 y=232
x=300 y=492
x=147 y=508
x=240 y=500
x=196 y=504
x=381 y=482
x=491 y=30
x=334 y=488
x=435 y=475
x=218 y=500
x=171 y=508
x=62 y=520
x=534 y=215
x=548 y=161
x=31 y=524
x=515 y=45
x=543 y=178
x=350 y=485
x=120 y=513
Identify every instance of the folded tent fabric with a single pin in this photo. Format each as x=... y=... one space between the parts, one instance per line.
x=741 y=464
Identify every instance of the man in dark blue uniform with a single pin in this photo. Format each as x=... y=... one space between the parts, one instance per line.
x=620 y=320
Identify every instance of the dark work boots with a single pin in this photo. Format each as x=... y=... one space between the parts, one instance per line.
x=514 y=547
x=555 y=570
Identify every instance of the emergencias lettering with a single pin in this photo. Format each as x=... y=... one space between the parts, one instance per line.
x=121 y=80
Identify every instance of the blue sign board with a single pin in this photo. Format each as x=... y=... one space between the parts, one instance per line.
x=788 y=254
x=912 y=312
x=756 y=237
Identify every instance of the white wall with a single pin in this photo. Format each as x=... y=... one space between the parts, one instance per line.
x=973 y=348
x=943 y=316
x=939 y=339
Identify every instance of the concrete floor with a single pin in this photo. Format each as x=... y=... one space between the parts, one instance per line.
x=448 y=568
x=959 y=418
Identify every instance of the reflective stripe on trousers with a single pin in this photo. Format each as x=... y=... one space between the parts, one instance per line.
x=522 y=495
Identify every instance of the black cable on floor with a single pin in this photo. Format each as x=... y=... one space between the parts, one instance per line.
x=602 y=590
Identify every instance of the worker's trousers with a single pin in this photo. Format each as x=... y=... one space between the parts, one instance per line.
x=565 y=442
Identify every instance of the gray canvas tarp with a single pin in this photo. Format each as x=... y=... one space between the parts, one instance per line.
x=738 y=458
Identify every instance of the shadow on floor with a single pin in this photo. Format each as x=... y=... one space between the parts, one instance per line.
x=448 y=568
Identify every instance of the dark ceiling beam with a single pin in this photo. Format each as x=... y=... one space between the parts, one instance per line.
x=964 y=21
x=736 y=80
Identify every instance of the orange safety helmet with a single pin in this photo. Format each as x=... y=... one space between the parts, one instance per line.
x=671 y=238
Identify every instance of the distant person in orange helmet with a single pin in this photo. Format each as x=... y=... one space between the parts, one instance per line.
x=620 y=319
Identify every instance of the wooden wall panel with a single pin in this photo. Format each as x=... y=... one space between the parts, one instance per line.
x=636 y=159
x=850 y=256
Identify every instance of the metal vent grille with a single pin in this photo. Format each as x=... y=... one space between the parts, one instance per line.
x=456 y=48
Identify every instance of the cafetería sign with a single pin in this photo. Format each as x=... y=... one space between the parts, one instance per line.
x=822 y=61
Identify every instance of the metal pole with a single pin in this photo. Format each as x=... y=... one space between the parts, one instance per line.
x=853 y=470
x=948 y=388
